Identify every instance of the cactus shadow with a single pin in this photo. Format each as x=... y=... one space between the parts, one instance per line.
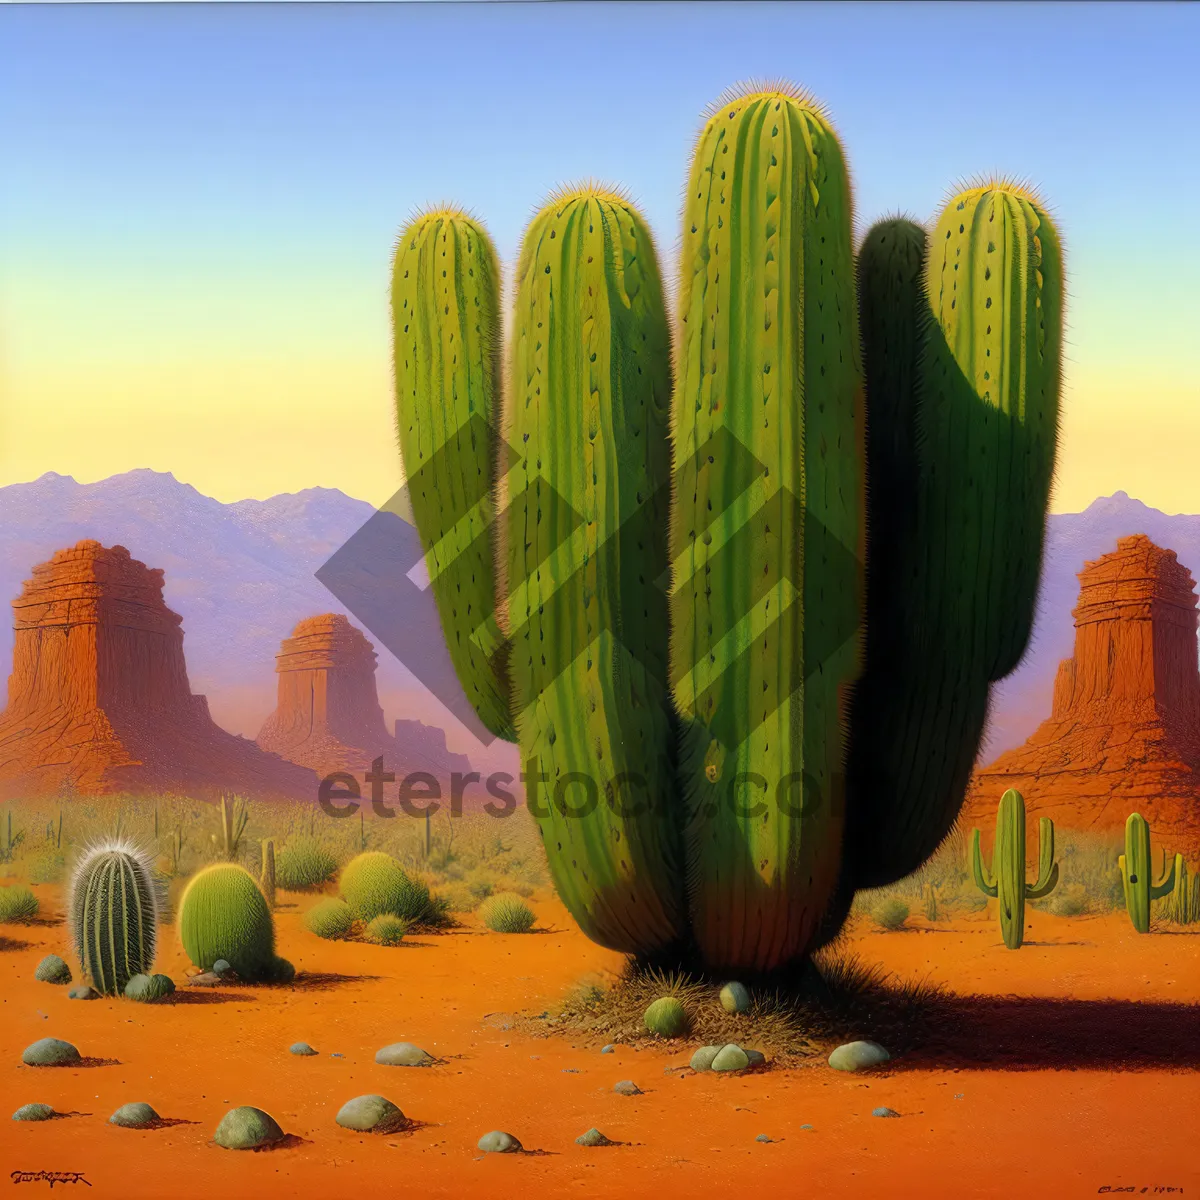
x=324 y=981
x=202 y=996
x=7 y=943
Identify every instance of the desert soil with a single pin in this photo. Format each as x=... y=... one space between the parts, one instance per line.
x=1044 y=1106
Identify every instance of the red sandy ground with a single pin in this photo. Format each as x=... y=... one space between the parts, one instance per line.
x=982 y=1131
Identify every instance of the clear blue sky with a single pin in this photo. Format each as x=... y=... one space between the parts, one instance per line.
x=202 y=185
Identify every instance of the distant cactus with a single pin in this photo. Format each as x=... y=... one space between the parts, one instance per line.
x=8 y=841
x=1137 y=870
x=1179 y=907
x=235 y=814
x=330 y=918
x=223 y=914
x=303 y=864
x=375 y=883
x=112 y=908
x=506 y=913
x=1008 y=863
x=268 y=871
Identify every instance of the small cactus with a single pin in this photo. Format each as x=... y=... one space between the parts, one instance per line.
x=17 y=904
x=330 y=919
x=375 y=883
x=303 y=864
x=506 y=912
x=1136 y=873
x=666 y=1017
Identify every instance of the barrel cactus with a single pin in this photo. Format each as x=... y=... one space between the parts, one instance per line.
x=1137 y=873
x=1006 y=878
x=375 y=883
x=653 y=565
x=303 y=864
x=112 y=907
x=224 y=915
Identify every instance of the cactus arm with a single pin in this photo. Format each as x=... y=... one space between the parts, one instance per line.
x=1167 y=884
x=1047 y=878
x=984 y=880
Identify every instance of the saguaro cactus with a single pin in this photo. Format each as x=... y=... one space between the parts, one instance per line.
x=1137 y=870
x=235 y=813
x=113 y=914
x=1180 y=907
x=1008 y=865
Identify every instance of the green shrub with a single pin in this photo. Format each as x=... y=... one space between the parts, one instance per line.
x=375 y=883
x=481 y=884
x=458 y=898
x=890 y=914
x=331 y=919
x=303 y=864
x=17 y=904
x=1071 y=901
x=387 y=930
x=506 y=913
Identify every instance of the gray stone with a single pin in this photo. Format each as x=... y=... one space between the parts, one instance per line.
x=884 y=1112
x=52 y=969
x=33 y=1112
x=403 y=1054
x=134 y=1116
x=731 y=1058
x=702 y=1060
x=301 y=1048
x=735 y=998
x=757 y=1058
x=247 y=1128
x=370 y=1114
x=593 y=1137
x=223 y=969
x=82 y=991
x=50 y=1052
x=762 y=1137
x=627 y=1088
x=610 y=1049
x=498 y=1142
x=149 y=988
x=204 y=979
x=805 y=1126
x=858 y=1056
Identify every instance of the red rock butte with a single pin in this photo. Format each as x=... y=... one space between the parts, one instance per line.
x=328 y=716
x=99 y=700
x=1124 y=732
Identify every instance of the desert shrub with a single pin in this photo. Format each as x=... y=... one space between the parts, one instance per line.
x=375 y=883
x=1069 y=901
x=890 y=914
x=387 y=930
x=458 y=898
x=303 y=864
x=480 y=883
x=506 y=913
x=46 y=866
x=17 y=904
x=331 y=919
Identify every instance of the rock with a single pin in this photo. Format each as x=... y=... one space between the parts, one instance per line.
x=204 y=979
x=50 y=1052
x=627 y=1088
x=884 y=1112
x=149 y=988
x=134 y=1116
x=593 y=1137
x=52 y=969
x=223 y=969
x=731 y=1058
x=666 y=1017
x=83 y=991
x=327 y=714
x=858 y=1056
x=735 y=998
x=99 y=697
x=756 y=1059
x=762 y=1137
x=609 y=1049
x=33 y=1112
x=497 y=1142
x=370 y=1114
x=247 y=1128
x=702 y=1060
x=301 y=1048
x=403 y=1054
x=1123 y=733
x=805 y=1126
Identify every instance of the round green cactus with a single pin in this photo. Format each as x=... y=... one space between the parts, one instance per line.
x=330 y=919
x=506 y=912
x=375 y=883
x=303 y=864
x=223 y=914
x=112 y=910
x=666 y=1017
x=387 y=930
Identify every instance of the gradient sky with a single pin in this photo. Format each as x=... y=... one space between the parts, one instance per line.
x=198 y=202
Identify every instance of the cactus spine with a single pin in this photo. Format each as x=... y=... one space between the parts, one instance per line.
x=767 y=524
x=586 y=554
x=446 y=345
x=1137 y=871
x=1008 y=864
x=113 y=914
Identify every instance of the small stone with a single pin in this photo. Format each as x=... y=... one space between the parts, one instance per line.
x=403 y=1054
x=301 y=1048
x=805 y=1126
x=82 y=991
x=609 y=1049
x=498 y=1142
x=370 y=1114
x=52 y=969
x=731 y=1058
x=593 y=1137
x=205 y=979
x=134 y=1116
x=33 y=1112
x=702 y=1060
x=223 y=969
x=762 y=1137
x=50 y=1052
x=858 y=1056
x=149 y=988
x=247 y=1128
x=884 y=1112
x=627 y=1088
x=757 y=1058
x=735 y=998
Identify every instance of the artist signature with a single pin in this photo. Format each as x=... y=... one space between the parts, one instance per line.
x=1133 y=1189
x=50 y=1177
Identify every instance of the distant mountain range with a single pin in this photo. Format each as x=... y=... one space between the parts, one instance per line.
x=241 y=575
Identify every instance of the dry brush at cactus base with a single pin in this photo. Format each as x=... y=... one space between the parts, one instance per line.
x=843 y=465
